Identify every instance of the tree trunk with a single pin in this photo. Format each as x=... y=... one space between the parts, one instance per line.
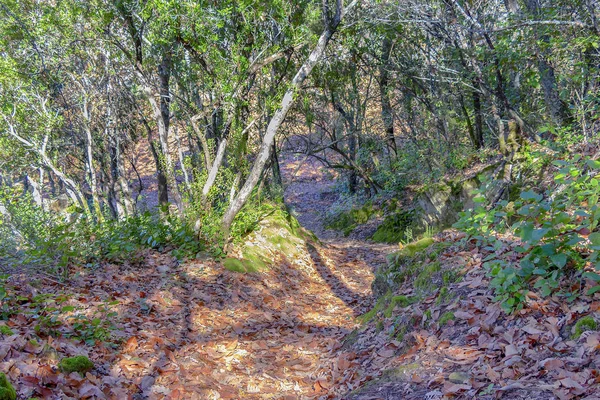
x=386 y=107
x=162 y=115
x=278 y=118
x=557 y=109
x=478 y=116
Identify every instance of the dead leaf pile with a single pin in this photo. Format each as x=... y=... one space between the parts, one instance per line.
x=483 y=353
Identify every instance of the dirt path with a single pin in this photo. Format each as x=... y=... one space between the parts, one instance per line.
x=310 y=193
x=197 y=331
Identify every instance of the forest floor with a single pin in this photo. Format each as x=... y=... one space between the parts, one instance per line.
x=159 y=329
x=156 y=328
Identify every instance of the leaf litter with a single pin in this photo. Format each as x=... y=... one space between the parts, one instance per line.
x=165 y=330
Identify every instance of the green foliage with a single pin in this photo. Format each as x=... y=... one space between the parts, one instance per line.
x=586 y=323
x=7 y=390
x=95 y=328
x=80 y=364
x=50 y=242
x=552 y=226
x=393 y=229
x=347 y=220
x=54 y=317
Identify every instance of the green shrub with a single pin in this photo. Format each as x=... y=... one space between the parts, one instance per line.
x=553 y=227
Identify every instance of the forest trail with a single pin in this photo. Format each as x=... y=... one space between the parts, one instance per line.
x=195 y=330
x=310 y=193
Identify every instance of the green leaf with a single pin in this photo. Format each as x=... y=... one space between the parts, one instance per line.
x=595 y=238
x=592 y=275
x=538 y=234
x=530 y=195
x=593 y=290
x=560 y=260
x=526 y=232
x=593 y=164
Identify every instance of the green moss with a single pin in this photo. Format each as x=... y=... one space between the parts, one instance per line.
x=584 y=324
x=250 y=262
x=347 y=221
x=428 y=317
x=285 y=244
x=406 y=263
x=393 y=228
x=400 y=372
x=445 y=318
x=369 y=315
x=443 y=296
x=401 y=332
x=7 y=390
x=379 y=326
x=450 y=276
x=413 y=248
x=6 y=331
x=235 y=265
x=425 y=278
x=395 y=301
x=437 y=249
x=80 y=364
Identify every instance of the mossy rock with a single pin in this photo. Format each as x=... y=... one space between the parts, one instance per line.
x=279 y=232
x=80 y=364
x=241 y=266
x=393 y=228
x=7 y=390
x=584 y=324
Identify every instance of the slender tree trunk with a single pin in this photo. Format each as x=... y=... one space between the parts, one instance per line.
x=91 y=170
x=214 y=169
x=162 y=116
x=556 y=108
x=478 y=117
x=278 y=118
x=386 y=106
x=202 y=138
x=186 y=177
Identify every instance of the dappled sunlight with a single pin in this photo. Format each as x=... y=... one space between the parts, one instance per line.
x=196 y=330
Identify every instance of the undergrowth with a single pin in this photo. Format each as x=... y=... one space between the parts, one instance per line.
x=558 y=232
